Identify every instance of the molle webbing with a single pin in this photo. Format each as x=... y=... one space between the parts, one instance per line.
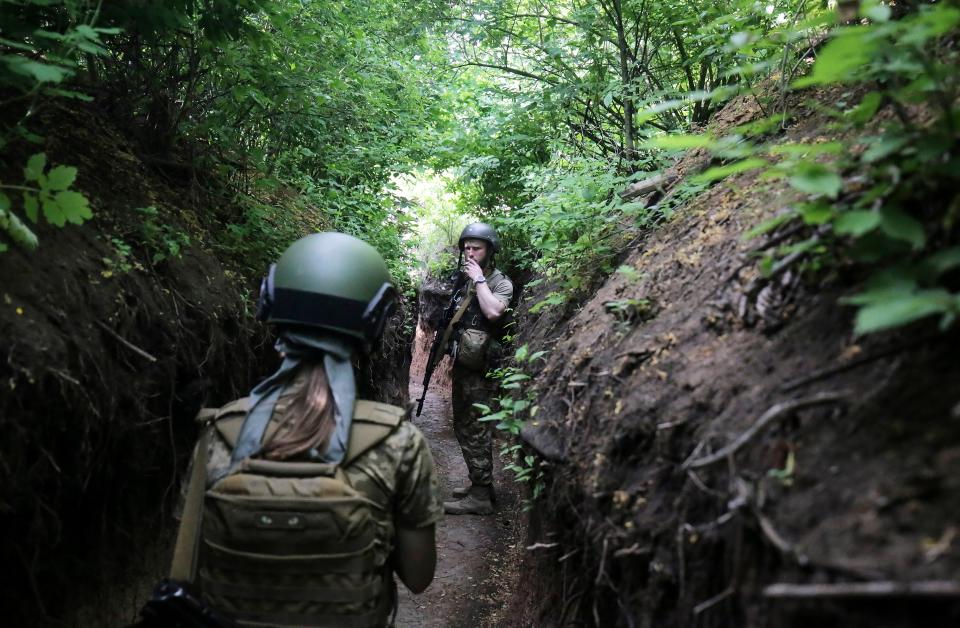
x=293 y=543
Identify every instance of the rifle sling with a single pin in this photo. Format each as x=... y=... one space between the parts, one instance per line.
x=456 y=319
x=184 y=562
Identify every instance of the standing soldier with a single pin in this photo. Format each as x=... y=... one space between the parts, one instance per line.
x=488 y=294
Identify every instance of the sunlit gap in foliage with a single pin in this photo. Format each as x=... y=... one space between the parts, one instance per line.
x=436 y=206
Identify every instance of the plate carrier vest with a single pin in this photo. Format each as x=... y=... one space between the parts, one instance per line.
x=293 y=543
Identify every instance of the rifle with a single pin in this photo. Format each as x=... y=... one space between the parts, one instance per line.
x=442 y=336
x=174 y=606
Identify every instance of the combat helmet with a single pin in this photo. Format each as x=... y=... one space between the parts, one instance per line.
x=330 y=281
x=480 y=231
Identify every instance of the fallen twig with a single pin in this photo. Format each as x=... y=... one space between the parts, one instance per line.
x=775 y=412
x=791 y=550
x=716 y=599
x=921 y=588
x=125 y=342
x=537 y=546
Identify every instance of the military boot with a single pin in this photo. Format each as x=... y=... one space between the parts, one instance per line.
x=476 y=502
x=462 y=491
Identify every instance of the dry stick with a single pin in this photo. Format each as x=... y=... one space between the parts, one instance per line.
x=777 y=411
x=126 y=342
x=880 y=589
x=803 y=560
x=716 y=599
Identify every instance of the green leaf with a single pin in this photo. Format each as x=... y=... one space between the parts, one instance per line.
x=66 y=207
x=521 y=353
x=814 y=178
x=901 y=226
x=769 y=225
x=843 y=58
x=883 y=146
x=35 y=166
x=876 y=11
x=943 y=261
x=902 y=309
x=864 y=112
x=61 y=177
x=679 y=142
x=67 y=93
x=20 y=233
x=856 y=223
x=31 y=207
x=719 y=172
x=41 y=72
x=831 y=148
x=52 y=211
x=817 y=213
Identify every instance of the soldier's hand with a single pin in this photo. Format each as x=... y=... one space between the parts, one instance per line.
x=473 y=270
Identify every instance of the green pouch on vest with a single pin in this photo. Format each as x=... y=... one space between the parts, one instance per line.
x=472 y=349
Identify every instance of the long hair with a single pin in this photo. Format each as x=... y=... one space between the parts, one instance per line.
x=309 y=419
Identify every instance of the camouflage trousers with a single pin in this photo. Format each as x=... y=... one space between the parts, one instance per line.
x=475 y=437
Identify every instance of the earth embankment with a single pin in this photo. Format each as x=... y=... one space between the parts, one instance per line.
x=720 y=439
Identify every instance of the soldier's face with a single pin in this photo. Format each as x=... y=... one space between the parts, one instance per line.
x=475 y=250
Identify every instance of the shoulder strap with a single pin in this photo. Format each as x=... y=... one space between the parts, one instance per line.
x=372 y=423
x=185 y=551
x=229 y=419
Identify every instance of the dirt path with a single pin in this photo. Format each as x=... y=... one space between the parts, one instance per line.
x=468 y=547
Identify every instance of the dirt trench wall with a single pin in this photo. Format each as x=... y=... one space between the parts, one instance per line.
x=859 y=486
x=105 y=358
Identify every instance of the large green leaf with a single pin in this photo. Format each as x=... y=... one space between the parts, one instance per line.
x=856 y=223
x=843 y=58
x=901 y=226
x=901 y=309
x=815 y=178
x=719 y=172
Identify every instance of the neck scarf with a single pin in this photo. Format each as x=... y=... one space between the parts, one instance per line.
x=296 y=347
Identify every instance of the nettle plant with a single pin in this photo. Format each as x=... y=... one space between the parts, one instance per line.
x=515 y=407
x=887 y=200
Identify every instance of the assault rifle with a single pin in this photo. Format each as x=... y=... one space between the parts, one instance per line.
x=442 y=336
x=173 y=605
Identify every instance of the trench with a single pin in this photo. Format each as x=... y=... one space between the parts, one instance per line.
x=467 y=587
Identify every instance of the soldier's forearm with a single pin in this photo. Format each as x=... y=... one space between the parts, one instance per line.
x=490 y=305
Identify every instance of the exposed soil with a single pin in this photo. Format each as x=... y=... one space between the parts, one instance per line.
x=859 y=487
x=106 y=355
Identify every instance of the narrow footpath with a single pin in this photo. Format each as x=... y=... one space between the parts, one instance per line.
x=469 y=548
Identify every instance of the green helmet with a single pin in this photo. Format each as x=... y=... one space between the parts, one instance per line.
x=480 y=231
x=331 y=281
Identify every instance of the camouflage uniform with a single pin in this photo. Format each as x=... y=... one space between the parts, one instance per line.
x=471 y=386
x=397 y=474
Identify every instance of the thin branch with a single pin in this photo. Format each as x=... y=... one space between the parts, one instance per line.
x=880 y=589
x=125 y=342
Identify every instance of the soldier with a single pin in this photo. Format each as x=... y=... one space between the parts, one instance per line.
x=488 y=295
x=313 y=499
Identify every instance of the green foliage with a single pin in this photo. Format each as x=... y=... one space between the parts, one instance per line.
x=896 y=217
x=163 y=241
x=515 y=408
x=44 y=191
